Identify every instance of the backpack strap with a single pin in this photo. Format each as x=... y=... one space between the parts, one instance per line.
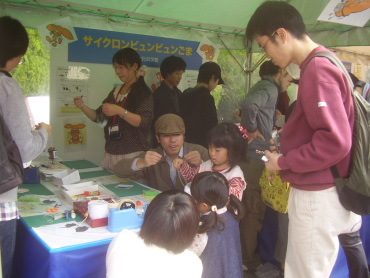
x=335 y=60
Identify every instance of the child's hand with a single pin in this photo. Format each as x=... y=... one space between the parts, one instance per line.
x=177 y=163
x=193 y=158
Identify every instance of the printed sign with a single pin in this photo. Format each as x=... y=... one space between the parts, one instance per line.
x=99 y=46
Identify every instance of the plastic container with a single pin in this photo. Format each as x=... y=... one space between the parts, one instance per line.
x=139 y=207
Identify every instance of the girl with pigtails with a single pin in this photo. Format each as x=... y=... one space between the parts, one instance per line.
x=219 y=227
x=227 y=143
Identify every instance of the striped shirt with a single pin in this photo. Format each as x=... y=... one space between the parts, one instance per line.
x=8 y=211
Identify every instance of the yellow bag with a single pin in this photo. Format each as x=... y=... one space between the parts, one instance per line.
x=274 y=191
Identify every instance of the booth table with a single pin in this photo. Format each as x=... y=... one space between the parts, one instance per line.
x=38 y=256
x=52 y=250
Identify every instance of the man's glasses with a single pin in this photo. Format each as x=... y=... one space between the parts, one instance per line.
x=263 y=48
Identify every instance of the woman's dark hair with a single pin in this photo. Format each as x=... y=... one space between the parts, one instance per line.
x=227 y=135
x=212 y=188
x=268 y=68
x=171 y=221
x=13 y=39
x=139 y=90
x=272 y=15
x=171 y=64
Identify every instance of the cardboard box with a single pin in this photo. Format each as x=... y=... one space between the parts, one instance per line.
x=47 y=174
x=67 y=176
x=70 y=193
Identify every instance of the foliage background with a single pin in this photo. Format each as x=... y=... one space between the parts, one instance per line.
x=33 y=73
x=229 y=96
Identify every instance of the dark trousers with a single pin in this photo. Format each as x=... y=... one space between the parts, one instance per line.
x=355 y=255
x=7 y=242
x=251 y=223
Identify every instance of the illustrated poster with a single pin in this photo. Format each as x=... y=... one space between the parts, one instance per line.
x=349 y=12
x=74 y=134
x=72 y=81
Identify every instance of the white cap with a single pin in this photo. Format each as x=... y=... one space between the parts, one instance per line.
x=293 y=70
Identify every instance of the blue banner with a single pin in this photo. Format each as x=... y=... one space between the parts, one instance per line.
x=99 y=46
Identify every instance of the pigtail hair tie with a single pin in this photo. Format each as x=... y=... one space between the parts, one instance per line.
x=214 y=208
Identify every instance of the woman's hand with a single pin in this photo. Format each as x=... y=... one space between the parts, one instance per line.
x=254 y=135
x=45 y=126
x=78 y=101
x=112 y=109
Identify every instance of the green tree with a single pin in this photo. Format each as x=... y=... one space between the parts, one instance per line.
x=33 y=73
x=229 y=96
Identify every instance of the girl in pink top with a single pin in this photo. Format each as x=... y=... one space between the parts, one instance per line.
x=226 y=149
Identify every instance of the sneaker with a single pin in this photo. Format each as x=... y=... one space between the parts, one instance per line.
x=267 y=270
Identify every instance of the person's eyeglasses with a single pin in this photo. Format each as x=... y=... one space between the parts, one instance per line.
x=263 y=48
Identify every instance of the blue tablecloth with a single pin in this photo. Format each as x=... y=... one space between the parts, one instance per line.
x=33 y=260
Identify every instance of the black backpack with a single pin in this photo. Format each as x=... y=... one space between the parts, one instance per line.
x=354 y=190
x=11 y=165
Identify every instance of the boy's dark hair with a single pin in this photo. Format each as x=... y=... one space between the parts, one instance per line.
x=13 y=39
x=212 y=188
x=227 y=135
x=140 y=90
x=268 y=68
x=171 y=221
x=210 y=70
x=171 y=64
x=272 y=15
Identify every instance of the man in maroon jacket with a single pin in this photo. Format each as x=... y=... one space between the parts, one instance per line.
x=317 y=136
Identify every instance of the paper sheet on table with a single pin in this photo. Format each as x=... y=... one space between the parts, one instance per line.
x=30 y=205
x=59 y=235
x=105 y=180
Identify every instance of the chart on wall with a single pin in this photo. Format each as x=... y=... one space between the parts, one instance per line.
x=72 y=81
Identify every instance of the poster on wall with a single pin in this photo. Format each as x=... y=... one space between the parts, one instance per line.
x=58 y=32
x=360 y=71
x=208 y=50
x=72 y=81
x=190 y=79
x=348 y=66
x=74 y=134
x=349 y=12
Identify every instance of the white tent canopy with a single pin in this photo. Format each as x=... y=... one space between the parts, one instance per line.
x=176 y=17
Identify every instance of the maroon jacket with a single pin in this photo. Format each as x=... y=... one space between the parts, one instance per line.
x=318 y=134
